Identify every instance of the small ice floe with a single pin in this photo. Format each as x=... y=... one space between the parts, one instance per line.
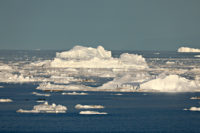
x=1 y=86
x=92 y=113
x=156 y=53
x=79 y=106
x=197 y=56
x=45 y=108
x=118 y=94
x=5 y=100
x=40 y=94
x=193 y=109
x=74 y=93
x=170 y=62
x=195 y=98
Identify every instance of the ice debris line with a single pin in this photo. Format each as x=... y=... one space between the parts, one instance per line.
x=45 y=108
x=87 y=57
x=187 y=49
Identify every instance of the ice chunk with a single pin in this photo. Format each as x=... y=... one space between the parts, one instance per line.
x=40 y=94
x=93 y=113
x=193 y=109
x=195 y=98
x=198 y=56
x=5 y=100
x=170 y=83
x=79 y=106
x=187 y=49
x=45 y=108
x=74 y=93
x=87 y=57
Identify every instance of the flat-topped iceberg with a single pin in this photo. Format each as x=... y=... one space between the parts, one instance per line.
x=170 y=83
x=187 y=49
x=45 y=108
x=87 y=57
x=92 y=113
x=79 y=106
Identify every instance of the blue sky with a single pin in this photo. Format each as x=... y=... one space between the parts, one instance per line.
x=114 y=24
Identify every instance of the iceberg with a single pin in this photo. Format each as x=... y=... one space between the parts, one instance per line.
x=87 y=57
x=170 y=83
x=5 y=100
x=195 y=98
x=187 y=49
x=5 y=67
x=93 y=113
x=45 y=108
x=79 y=106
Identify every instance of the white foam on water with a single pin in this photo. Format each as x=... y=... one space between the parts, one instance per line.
x=74 y=93
x=41 y=94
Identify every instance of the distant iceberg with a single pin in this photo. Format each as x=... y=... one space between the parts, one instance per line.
x=79 y=106
x=170 y=83
x=5 y=100
x=45 y=108
x=93 y=113
x=187 y=49
x=87 y=57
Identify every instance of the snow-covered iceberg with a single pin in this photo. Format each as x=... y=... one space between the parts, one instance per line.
x=187 y=49
x=87 y=57
x=5 y=100
x=45 y=108
x=79 y=106
x=92 y=113
x=170 y=83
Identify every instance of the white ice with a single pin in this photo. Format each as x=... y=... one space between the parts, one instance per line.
x=41 y=94
x=93 y=113
x=195 y=98
x=193 y=109
x=170 y=83
x=74 y=93
x=187 y=49
x=45 y=108
x=197 y=56
x=79 y=106
x=87 y=57
x=5 y=100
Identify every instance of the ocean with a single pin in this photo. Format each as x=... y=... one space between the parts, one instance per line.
x=130 y=111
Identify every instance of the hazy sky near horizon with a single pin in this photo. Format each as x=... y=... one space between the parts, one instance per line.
x=114 y=24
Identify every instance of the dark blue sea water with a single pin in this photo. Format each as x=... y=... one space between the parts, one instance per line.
x=128 y=113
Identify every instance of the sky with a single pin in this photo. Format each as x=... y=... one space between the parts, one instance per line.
x=114 y=24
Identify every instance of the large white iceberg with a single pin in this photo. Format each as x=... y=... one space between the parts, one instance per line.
x=45 y=108
x=170 y=83
x=87 y=57
x=187 y=49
